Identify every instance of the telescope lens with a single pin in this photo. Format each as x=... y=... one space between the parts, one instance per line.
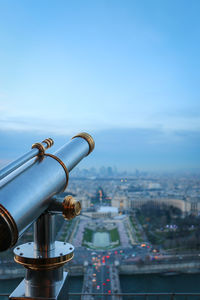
x=5 y=235
x=8 y=230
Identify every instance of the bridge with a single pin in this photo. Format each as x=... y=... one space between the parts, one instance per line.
x=104 y=280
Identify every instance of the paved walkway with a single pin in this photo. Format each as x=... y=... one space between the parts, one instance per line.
x=78 y=236
x=123 y=235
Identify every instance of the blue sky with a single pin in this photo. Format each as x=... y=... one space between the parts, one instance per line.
x=117 y=69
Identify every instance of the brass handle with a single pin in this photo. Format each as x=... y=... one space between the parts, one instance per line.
x=71 y=208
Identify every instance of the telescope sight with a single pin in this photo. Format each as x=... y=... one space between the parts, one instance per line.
x=28 y=189
x=29 y=184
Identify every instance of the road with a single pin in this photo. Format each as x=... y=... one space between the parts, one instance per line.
x=101 y=275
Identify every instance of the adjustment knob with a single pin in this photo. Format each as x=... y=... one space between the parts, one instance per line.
x=71 y=208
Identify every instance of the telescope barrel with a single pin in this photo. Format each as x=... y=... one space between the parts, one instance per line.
x=28 y=195
x=17 y=163
x=24 y=158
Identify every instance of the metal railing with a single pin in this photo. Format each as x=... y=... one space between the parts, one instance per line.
x=134 y=296
x=129 y=296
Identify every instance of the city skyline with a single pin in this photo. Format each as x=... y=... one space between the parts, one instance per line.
x=126 y=150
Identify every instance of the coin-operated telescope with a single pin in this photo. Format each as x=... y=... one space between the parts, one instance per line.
x=27 y=190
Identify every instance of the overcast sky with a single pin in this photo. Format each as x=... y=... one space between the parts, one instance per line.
x=112 y=68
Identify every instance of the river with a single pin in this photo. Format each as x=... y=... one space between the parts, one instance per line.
x=185 y=283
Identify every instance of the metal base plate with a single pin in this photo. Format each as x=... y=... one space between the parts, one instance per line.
x=27 y=256
x=60 y=292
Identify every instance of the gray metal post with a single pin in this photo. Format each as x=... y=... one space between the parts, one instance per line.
x=43 y=260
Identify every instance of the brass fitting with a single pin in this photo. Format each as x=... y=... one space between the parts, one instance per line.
x=49 y=142
x=71 y=208
x=88 y=138
x=40 y=147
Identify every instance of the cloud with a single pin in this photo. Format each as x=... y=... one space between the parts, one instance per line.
x=68 y=123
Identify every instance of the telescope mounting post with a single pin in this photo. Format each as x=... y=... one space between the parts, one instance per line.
x=44 y=260
x=44 y=233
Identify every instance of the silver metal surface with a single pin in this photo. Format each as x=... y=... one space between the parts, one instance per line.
x=17 y=171
x=42 y=285
x=43 y=260
x=44 y=234
x=20 y=161
x=45 y=283
x=27 y=251
x=73 y=152
x=56 y=206
x=29 y=194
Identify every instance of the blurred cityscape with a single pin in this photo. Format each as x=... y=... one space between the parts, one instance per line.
x=130 y=225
